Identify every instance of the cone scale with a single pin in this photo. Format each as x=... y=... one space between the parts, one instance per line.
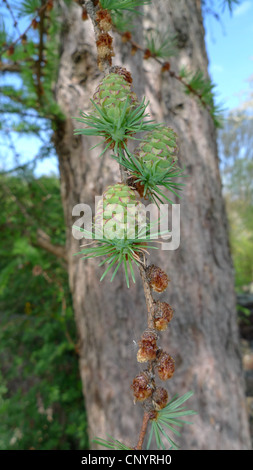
x=119 y=215
x=159 y=147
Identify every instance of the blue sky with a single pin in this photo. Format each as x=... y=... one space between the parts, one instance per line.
x=230 y=50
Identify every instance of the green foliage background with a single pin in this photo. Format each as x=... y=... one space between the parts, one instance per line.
x=41 y=402
x=236 y=139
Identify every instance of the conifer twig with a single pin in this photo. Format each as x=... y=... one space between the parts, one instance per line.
x=15 y=22
x=143 y=430
x=148 y=297
x=117 y=117
x=10 y=47
x=40 y=54
x=165 y=67
x=101 y=21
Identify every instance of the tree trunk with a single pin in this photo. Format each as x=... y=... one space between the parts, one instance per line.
x=203 y=335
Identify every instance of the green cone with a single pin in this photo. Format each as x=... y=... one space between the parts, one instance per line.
x=121 y=234
x=119 y=215
x=111 y=96
x=160 y=148
x=117 y=115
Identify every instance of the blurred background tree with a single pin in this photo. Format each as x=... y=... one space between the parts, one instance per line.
x=54 y=344
x=41 y=402
x=236 y=144
x=236 y=152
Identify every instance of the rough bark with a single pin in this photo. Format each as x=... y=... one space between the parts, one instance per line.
x=203 y=336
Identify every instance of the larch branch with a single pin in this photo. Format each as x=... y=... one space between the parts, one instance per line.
x=143 y=430
x=148 y=297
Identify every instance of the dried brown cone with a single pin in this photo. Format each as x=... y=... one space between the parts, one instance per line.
x=165 y=365
x=104 y=20
x=104 y=45
x=34 y=23
x=147 y=347
x=11 y=50
x=142 y=388
x=50 y=5
x=104 y=50
x=126 y=36
x=163 y=315
x=84 y=14
x=134 y=49
x=153 y=414
x=166 y=67
x=159 y=398
x=147 y=54
x=122 y=71
x=157 y=278
x=138 y=186
x=24 y=39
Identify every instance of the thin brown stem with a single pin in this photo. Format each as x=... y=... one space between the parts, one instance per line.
x=10 y=67
x=123 y=174
x=15 y=23
x=148 y=297
x=123 y=171
x=92 y=10
x=19 y=38
x=40 y=54
x=164 y=65
x=143 y=430
x=103 y=39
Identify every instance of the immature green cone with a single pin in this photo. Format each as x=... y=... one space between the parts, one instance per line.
x=111 y=95
x=160 y=148
x=116 y=115
x=119 y=214
x=120 y=232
